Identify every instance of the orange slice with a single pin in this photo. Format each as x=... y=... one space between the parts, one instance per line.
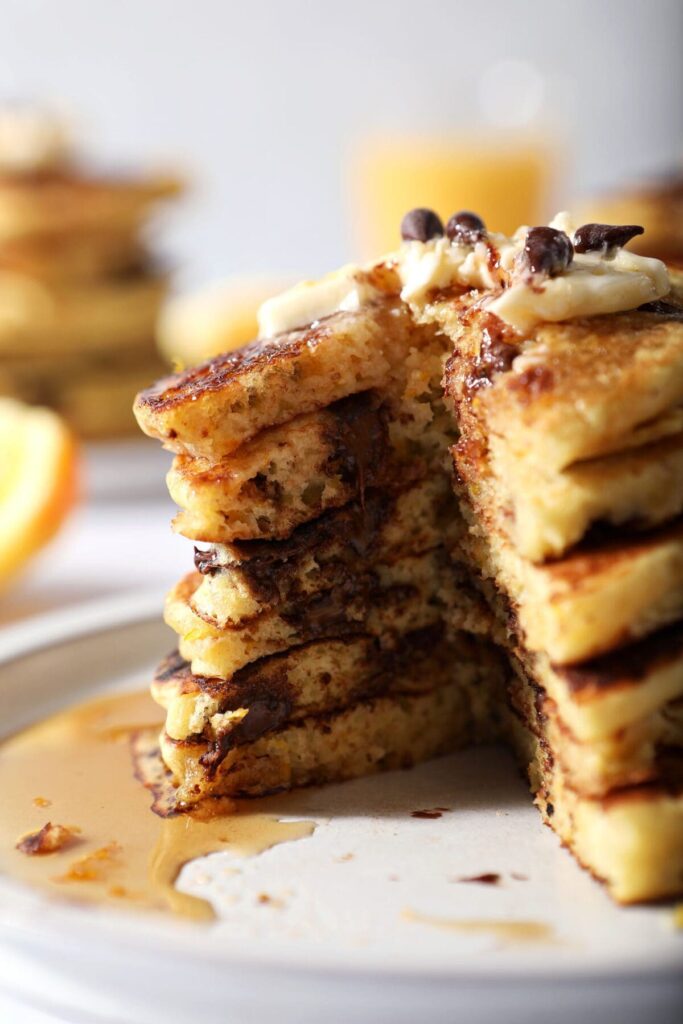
x=38 y=463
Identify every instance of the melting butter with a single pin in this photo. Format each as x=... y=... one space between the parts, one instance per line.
x=592 y=285
x=347 y=290
x=75 y=769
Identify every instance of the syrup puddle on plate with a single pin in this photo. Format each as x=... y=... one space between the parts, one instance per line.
x=506 y=932
x=76 y=770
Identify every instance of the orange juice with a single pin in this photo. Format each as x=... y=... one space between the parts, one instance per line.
x=506 y=183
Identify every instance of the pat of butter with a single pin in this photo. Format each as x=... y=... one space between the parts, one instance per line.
x=425 y=267
x=428 y=266
x=591 y=286
x=346 y=290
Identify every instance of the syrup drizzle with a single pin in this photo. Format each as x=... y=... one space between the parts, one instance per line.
x=75 y=769
x=505 y=932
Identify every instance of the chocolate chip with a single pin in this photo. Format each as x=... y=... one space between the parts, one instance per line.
x=603 y=237
x=547 y=251
x=264 y=716
x=421 y=224
x=488 y=878
x=465 y=227
x=662 y=308
x=497 y=352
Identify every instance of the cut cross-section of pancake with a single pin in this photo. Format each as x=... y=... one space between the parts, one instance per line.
x=302 y=729
x=246 y=578
x=210 y=410
x=387 y=600
x=284 y=476
x=316 y=678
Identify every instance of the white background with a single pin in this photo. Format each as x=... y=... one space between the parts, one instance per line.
x=265 y=99
x=263 y=102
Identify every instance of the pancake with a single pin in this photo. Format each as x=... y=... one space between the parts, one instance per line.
x=380 y=734
x=389 y=600
x=311 y=679
x=627 y=369
x=93 y=392
x=515 y=398
x=80 y=287
x=632 y=839
x=210 y=410
x=67 y=200
x=550 y=512
x=246 y=578
x=615 y=690
x=285 y=476
x=657 y=204
x=74 y=257
x=38 y=319
x=316 y=678
x=97 y=404
x=288 y=474
x=601 y=596
x=551 y=499
x=624 y=756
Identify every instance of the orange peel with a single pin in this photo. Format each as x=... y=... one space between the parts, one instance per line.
x=38 y=481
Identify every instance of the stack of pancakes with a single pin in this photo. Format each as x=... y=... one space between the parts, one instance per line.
x=79 y=291
x=352 y=614
x=569 y=473
x=313 y=643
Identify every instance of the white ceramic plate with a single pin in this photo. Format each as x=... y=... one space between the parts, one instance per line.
x=340 y=941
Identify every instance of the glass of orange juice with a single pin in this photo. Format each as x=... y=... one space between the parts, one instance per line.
x=508 y=181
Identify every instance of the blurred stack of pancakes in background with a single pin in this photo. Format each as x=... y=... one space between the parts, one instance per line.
x=656 y=204
x=80 y=291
